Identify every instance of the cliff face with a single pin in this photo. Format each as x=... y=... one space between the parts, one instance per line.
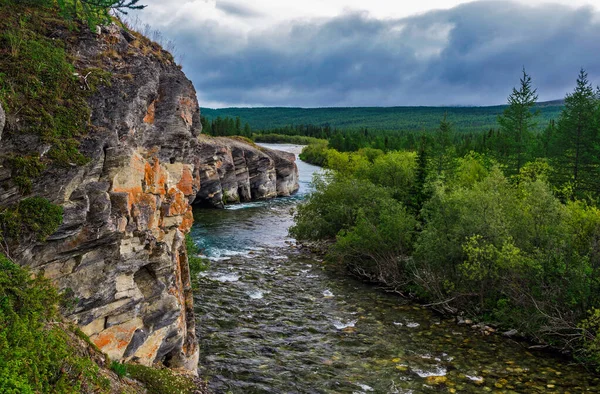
x=120 y=252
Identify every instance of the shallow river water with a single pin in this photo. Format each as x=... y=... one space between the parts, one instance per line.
x=272 y=320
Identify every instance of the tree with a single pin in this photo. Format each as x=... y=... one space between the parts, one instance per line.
x=442 y=155
x=97 y=12
x=575 y=148
x=516 y=123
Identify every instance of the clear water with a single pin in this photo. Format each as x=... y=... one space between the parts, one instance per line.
x=271 y=319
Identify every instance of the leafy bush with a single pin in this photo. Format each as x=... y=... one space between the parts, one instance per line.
x=196 y=263
x=35 y=353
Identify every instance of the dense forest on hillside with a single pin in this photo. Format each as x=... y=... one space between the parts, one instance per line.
x=507 y=231
x=466 y=119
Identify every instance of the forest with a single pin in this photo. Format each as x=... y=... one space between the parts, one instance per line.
x=503 y=226
x=376 y=118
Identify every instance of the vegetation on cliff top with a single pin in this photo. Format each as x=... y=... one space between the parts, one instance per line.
x=508 y=233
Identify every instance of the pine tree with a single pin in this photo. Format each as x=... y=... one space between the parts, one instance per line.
x=517 y=122
x=576 y=155
x=443 y=146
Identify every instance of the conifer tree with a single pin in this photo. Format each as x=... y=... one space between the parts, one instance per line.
x=575 y=148
x=517 y=122
x=443 y=146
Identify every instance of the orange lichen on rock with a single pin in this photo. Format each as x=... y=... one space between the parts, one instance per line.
x=187 y=106
x=188 y=221
x=149 y=118
x=186 y=184
x=178 y=202
x=155 y=178
x=114 y=340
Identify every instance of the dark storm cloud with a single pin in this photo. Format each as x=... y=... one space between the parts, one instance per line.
x=469 y=55
x=238 y=10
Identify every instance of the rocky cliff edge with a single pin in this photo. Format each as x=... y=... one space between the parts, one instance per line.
x=120 y=254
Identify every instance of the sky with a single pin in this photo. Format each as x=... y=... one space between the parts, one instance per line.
x=332 y=53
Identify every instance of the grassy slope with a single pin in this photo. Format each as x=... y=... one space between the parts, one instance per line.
x=377 y=118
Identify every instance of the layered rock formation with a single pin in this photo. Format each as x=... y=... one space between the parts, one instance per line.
x=120 y=253
x=234 y=171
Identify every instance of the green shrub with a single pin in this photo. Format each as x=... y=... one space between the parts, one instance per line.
x=119 y=368
x=161 y=381
x=35 y=353
x=34 y=216
x=196 y=263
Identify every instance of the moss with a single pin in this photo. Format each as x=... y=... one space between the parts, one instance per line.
x=33 y=216
x=161 y=381
x=24 y=170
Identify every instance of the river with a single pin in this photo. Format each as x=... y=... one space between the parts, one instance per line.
x=271 y=319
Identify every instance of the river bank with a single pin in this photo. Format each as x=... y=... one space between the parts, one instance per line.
x=273 y=320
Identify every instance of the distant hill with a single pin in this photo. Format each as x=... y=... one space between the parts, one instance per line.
x=378 y=118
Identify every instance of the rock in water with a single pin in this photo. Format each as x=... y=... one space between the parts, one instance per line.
x=120 y=251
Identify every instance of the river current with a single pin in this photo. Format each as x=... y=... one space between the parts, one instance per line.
x=272 y=319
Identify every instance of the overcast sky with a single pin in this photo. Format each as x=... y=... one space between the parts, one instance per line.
x=315 y=53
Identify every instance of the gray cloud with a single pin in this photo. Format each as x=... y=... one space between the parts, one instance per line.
x=468 y=55
x=238 y=10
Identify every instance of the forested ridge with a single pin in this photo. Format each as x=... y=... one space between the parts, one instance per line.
x=503 y=226
x=375 y=118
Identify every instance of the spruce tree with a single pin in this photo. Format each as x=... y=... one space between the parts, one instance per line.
x=575 y=148
x=517 y=122
x=443 y=149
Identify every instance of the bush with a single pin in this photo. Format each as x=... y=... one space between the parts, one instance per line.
x=31 y=217
x=35 y=353
x=196 y=263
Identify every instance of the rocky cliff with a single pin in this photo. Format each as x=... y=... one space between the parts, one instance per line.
x=120 y=253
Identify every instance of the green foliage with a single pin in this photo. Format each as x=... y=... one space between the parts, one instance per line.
x=315 y=153
x=161 y=381
x=287 y=139
x=35 y=353
x=575 y=149
x=24 y=170
x=517 y=123
x=196 y=263
x=119 y=368
x=378 y=245
x=39 y=83
x=465 y=119
x=31 y=217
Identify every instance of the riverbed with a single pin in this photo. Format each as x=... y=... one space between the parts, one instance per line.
x=272 y=319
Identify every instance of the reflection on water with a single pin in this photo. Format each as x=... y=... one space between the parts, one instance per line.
x=272 y=320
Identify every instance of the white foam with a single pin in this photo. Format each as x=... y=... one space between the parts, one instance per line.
x=412 y=324
x=438 y=371
x=340 y=326
x=364 y=387
x=256 y=294
x=227 y=278
x=475 y=378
